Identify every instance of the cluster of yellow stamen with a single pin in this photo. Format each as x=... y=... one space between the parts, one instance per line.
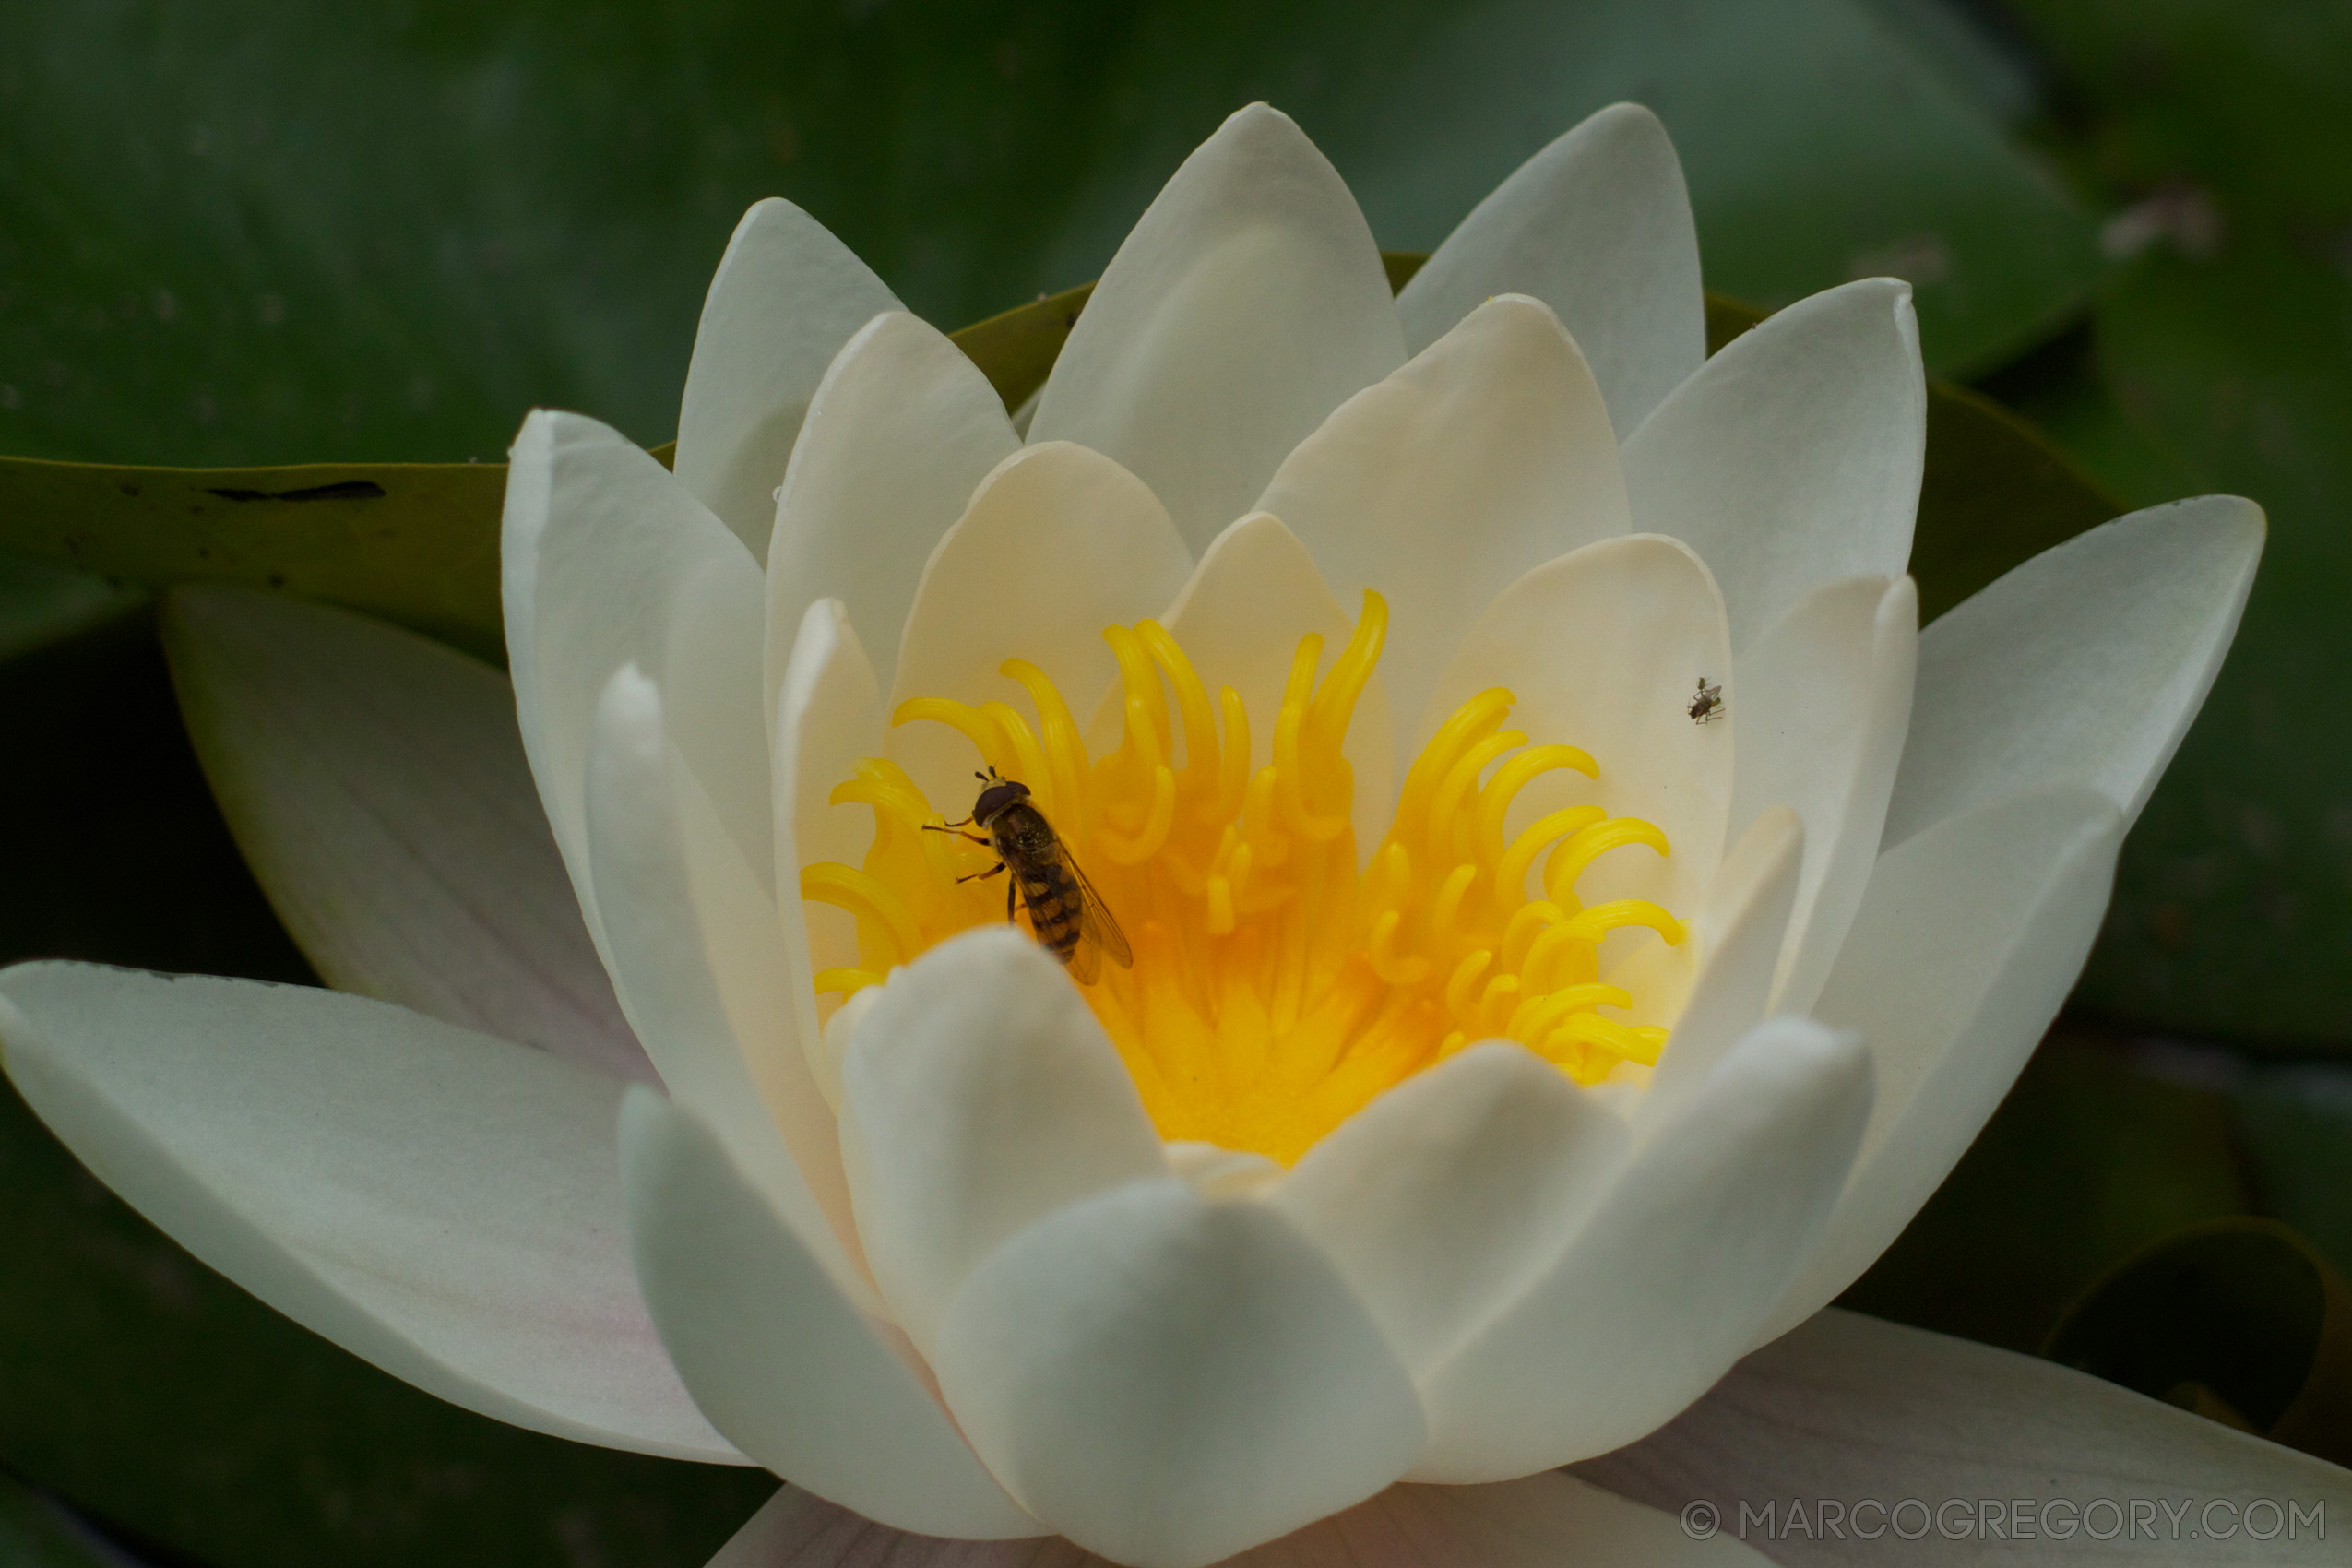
x=1277 y=985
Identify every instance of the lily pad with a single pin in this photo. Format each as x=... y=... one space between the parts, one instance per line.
x=2220 y=358
x=2089 y=1159
x=41 y=605
x=269 y=232
x=2236 y=1319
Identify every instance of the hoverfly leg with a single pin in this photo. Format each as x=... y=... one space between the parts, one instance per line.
x=981 y=876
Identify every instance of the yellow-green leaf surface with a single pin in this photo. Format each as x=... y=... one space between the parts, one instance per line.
x=418 y=543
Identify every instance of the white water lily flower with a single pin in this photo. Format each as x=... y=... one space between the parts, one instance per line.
x=1475 y=1097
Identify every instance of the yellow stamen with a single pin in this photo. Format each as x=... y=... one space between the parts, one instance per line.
x=1276 y=986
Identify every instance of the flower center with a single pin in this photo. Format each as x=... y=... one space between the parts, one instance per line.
x=1276 y=986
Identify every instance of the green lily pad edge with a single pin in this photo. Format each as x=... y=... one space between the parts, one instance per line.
x=417 y=543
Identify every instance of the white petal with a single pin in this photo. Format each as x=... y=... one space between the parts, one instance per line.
x=1239 y=619
x=1248 y=302
x=780 y=1360
x=1739 y=937
x=1792 y=459
x=441 y=1204
x=1850 y=1409
x=1665 y=1286
x=1969 y=937
x=1542 y=1521
x=2083 y=666
x=1602 y=648
x=1057 y=543
x=377 y=787
x=1597 y=226
x=787 y=295
x=1446 y=1197
x=1824 y=702
x=1439 y=486
x=694 y=945
x=1166 y=1381
x=608 y=561
x=901 y=432
x=829 y=715
x=979 y=1095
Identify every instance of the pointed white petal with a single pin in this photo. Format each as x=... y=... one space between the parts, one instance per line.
x=608 y=561
x=2083 y=666
x=1665 y=1287
x=1542 y=1521
x=1824 y=703
x=1602 y=647
x=377 y=787
x=1969 y=937
x=695 y=947
x=829 y=715
x=1738 y=938
x=1849 y=1408
x=1445 y=1196
x=1239 y=619
x=787 y=295
x=1439 y=486
x=1248 y=302
x=901 y=432
x=979 y=1095
x=1057 y=543
x=1792 y=459
x=778 y=1356
x=1168 y=1381
x=441 y=1204
x=1597 y=226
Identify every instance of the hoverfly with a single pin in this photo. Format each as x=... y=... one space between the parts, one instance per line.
x=1066 y=915
x=1706 y=703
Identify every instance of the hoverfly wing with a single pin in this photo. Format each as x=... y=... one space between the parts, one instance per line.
x=1099 y=933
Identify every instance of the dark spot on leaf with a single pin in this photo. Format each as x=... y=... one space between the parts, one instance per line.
x=343 y=490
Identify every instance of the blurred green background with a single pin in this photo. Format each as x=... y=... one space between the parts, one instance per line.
x=265 y=230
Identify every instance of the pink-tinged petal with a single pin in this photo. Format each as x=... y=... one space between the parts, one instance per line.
x=376 y=785
x=1168 y=1381
x=1247 y=303
x=787 y=295
x=438 y=1203
x=778 y=1356
x=901 y=432
x=1057 y=543
x=1445 y=483
x=1969 y=937
x=2009 y=1459
x=1824 y=703
x=1792 y=459
x=1551 y=1520
x=2083 y=667
x=979 y=1095
x=1597 y=226
x=1667 y=1284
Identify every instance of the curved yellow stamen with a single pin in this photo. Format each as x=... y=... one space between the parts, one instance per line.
x=1494 y=801
x=1587 y=845
x=861 y=894
x=1278 y=980
x=1511 y=875
x=975 y=726
x=849 y=981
